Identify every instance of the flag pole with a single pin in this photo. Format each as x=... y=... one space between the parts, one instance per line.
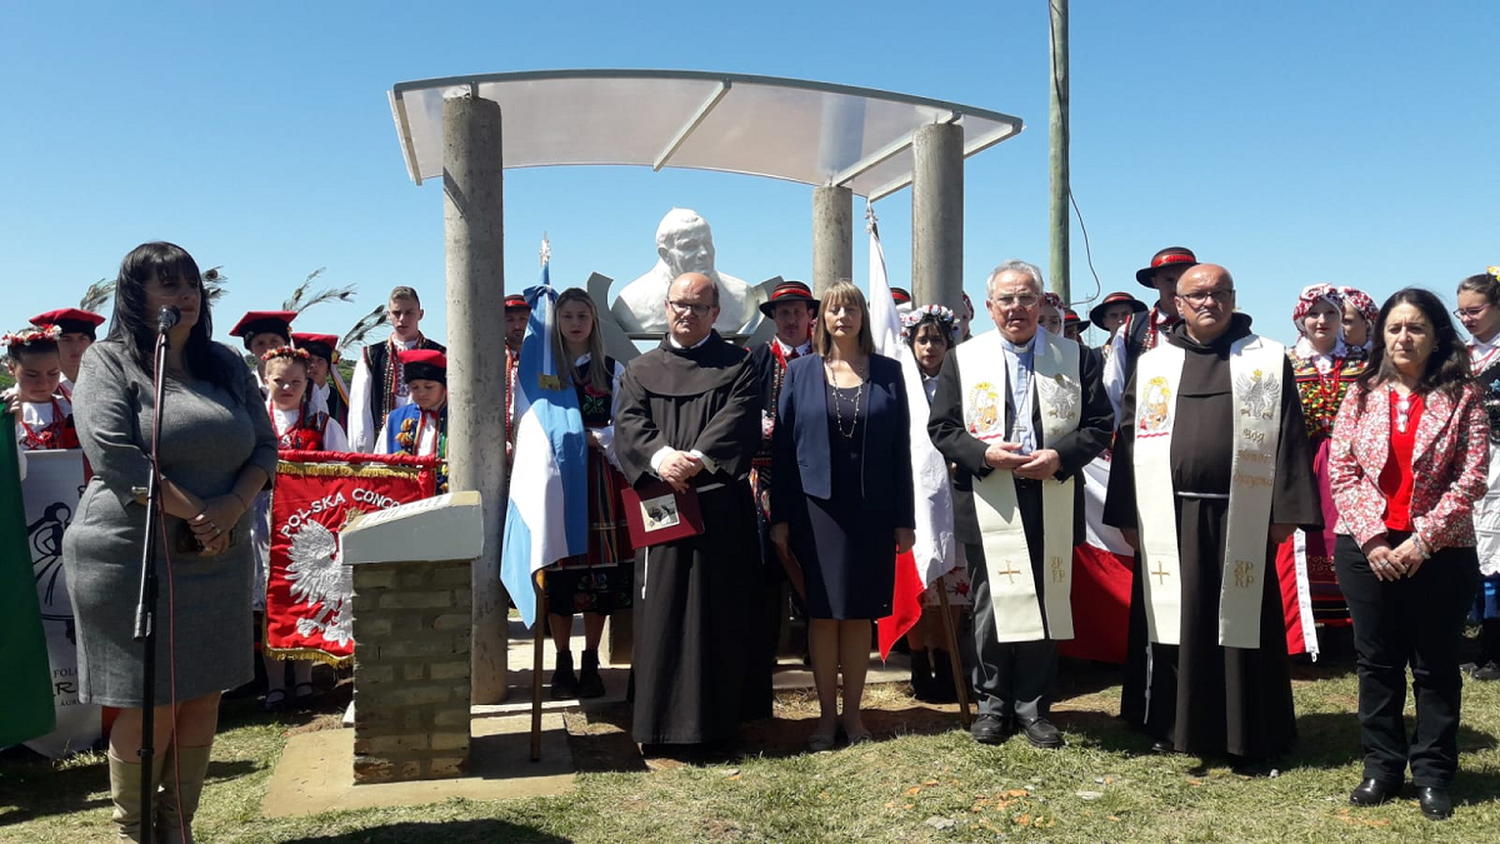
x=950 y=630
x=536 y=667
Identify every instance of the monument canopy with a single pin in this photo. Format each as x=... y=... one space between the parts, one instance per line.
x=811 y=132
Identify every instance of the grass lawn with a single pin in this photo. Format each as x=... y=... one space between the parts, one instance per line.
x=924 y=780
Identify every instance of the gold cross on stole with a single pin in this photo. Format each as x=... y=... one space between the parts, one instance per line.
x=1161 y=574
x=1010 y=573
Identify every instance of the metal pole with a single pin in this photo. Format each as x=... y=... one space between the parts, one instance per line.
x=937 y=215
x=1057 y=121
x=538 y=650
x=473 y=215
x=833 y=236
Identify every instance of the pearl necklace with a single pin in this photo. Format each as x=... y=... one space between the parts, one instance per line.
x=838 y=404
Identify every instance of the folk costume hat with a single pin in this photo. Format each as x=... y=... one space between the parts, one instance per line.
x=1172 y=256
x=424 y=365
x=516 y=301
x=787 y=291
x=1070 y=318
x=1096 y=313
x=901 y=295
x=257 y=322
x=1310 y=297
x=1362 y=302
x=71 y=321
x=325 y=346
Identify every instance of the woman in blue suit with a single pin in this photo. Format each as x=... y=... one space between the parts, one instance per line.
x=841 y=497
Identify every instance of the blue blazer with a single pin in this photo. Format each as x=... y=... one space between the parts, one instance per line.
x=800 y=463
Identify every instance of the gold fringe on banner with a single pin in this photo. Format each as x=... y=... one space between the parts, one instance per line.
x=345 y=470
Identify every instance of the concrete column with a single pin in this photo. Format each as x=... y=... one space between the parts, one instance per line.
x=473 y=215
x=937 y=215
x=833 y=236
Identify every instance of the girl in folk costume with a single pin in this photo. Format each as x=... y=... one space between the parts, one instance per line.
x=298 y=428
x=420 y=428
x=78 y=329
x=44 y=419
x=599 y=582
x=1479 y=311
x=931 y=331
x=1360 y=312
x=1324 y=366
x=326 y=390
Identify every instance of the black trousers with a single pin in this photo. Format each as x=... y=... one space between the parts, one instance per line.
x=1417 y=621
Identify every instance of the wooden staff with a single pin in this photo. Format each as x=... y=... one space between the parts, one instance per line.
x=536 y=668
x=960 y=680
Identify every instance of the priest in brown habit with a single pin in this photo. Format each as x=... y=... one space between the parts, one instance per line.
x=688 y=413
x=1211 y=470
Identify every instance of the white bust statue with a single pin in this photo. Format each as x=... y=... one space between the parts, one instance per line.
x=684 y=244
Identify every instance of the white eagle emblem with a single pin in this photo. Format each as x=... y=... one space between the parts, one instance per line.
x=1061 y=400
x=318 y=578
x=1258 y=394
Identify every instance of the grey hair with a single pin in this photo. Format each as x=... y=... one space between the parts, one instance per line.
x=1019 y=266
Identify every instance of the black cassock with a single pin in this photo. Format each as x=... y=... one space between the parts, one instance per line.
x=1218 y=699
x=697 y=608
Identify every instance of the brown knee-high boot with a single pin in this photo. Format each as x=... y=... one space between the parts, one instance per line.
x=181 y=788
x=125 y=793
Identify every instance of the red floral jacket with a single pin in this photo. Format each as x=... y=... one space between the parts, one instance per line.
x=1449 y=462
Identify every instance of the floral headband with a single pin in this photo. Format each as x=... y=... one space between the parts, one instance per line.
x=35 y=334
x=943 y=315
x=1494 y=272
x=287 y=352
x=1311 y=296
x=1054 y=300
x=1363 y=303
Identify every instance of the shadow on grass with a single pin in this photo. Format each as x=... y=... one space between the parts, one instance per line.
x=449 y=832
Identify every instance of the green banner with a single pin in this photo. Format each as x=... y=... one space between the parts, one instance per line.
x=24 y=671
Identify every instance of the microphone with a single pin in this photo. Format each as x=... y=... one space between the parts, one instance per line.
x=168 y=317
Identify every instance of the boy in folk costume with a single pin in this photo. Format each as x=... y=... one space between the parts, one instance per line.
x=298 y=427
x=44 y=418
x=378 y=386
x=78 y=329
x=262 y=332
x=421 y=428
x=325 y=384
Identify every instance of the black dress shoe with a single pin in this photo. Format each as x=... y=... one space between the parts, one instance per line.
x=1436 y=804
x=992 y=729
x=1163 y=746
x=1373 y=792
x=1041 y=733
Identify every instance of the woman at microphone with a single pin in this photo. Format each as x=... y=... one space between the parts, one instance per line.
x=217 y=450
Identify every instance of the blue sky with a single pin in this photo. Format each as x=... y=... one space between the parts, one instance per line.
x=1294 y=142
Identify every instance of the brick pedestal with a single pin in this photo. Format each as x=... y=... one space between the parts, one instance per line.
x=411 y=670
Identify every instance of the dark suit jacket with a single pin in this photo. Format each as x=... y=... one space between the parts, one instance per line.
x=1074 y=450
x=800 y=447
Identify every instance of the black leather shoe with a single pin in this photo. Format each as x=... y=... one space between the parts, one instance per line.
x=1041 y=733
x=992 y=729
x=1436 y=804
x=1373 y=792
x=1163 y=746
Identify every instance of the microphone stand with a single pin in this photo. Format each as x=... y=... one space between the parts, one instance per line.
x=145 y=610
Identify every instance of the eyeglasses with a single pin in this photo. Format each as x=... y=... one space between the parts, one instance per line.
x=1198 y=300
x=1472 y=312
x=1022 y=301
x=689 y=307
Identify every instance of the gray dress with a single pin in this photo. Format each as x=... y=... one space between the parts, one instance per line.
x=204 y=634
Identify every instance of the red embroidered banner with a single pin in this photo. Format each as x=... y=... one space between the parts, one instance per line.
x=309 y=613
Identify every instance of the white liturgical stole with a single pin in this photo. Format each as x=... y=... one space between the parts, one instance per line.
x=1007 y=557
x=1255 y=367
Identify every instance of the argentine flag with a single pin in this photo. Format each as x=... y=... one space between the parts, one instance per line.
x=548 y=469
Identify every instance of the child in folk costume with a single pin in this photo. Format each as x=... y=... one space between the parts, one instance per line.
x=1324 y=366
x=298 y=427
x=262 y=332
x=326 y=390
x=1479 y=311
x=44 y=418
x=600 y=581
x=78 y=329
x=931 y=331
x=420 y=428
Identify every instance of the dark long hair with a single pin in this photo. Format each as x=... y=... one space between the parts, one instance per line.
x=1447 y=369
x=136 y=329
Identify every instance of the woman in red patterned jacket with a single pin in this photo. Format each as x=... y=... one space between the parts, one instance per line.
x=1409 y=454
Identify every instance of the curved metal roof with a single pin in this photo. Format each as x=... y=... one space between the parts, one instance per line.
x=811 y=132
